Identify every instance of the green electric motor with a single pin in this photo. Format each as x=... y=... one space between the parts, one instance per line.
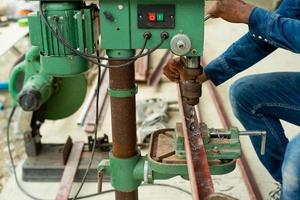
x=52 y=74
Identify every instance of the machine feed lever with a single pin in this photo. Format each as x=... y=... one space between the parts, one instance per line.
x=263 y=135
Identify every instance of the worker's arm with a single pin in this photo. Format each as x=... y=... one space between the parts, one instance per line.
x=267 y=31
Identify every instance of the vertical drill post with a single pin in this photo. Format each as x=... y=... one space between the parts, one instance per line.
x=123 y=117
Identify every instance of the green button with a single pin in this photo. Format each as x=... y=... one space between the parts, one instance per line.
x=160 y=17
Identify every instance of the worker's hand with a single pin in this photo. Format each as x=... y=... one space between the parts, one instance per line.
x=175 y=72
x=235 y=11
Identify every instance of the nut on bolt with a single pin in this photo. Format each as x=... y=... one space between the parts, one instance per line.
x=147 y=35
x=164 y=35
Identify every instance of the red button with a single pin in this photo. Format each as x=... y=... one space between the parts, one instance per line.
x=152 y=17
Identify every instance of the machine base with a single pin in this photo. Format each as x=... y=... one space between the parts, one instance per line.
x=48 y=165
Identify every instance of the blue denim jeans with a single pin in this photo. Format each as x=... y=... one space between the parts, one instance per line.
x=259 y=102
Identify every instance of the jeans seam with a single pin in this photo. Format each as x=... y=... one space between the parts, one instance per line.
x=282 y=105
x=253 y=111
x=255 y=108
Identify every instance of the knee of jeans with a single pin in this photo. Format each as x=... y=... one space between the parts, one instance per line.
x=240 y=94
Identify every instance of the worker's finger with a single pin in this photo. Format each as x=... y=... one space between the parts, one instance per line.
x=173 y=79
x=174 y=76
x=172 y=68
x=170 y=74
x=213 y=10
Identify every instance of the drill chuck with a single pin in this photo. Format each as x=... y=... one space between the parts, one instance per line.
x=191 y=91
x=192 y=86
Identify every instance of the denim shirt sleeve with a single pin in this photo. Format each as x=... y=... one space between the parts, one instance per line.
x=267 y=32
x=281 y=32
x=239 y=56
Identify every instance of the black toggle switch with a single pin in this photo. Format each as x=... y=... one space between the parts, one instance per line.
x=109 y=16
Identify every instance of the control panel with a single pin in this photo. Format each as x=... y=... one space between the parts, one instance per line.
x=124 y=23
x=156 y=16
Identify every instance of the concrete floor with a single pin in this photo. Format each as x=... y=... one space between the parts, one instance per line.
x=218 y=36
x=230 y=184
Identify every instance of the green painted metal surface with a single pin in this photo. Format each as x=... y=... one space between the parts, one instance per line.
x=122 y=178
x=223 y=168
x=115 y=34
x=52 y=69
x=41 y=83
x=76 y=25
x=122 y=93
x=63 y=66
x=221 y=147
x=222 y=160
x=120 y=53
x=123 y=33
x=68 y=98
x=61 y=97
x=23 y=71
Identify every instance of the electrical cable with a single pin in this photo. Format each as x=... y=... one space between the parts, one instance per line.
x=98 y=63
x=95 y=134
x=143 y=185
x=80 y=197
x=59 y=36
x=87 y=57
x=12 y=159
x=146 y=38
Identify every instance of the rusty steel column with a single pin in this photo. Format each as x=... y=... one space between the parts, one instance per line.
x=123 y=118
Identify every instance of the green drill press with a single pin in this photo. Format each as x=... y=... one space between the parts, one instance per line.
x=50 y=82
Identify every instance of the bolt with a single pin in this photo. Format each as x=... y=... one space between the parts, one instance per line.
x=120 y=7
x=180 y=44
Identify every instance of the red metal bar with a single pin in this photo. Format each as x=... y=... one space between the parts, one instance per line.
x=70 y=171
x=141 y=67
x=199 y=174
x=155 y=77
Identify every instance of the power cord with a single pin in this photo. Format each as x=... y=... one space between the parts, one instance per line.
x=80 y=197
x=96 y=130
x=88 y=57
x=59 y=36
x=12 y=159
x=97 y=119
